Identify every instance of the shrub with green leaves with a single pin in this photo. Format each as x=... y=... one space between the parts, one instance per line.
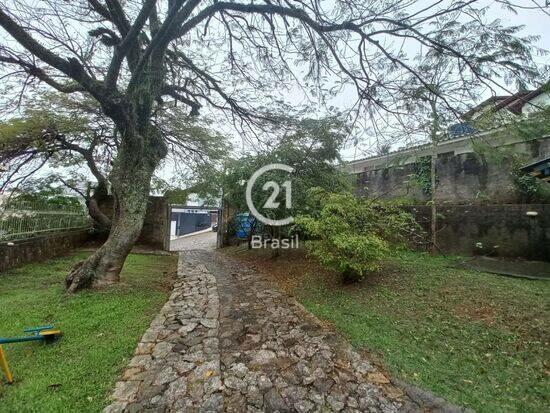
x=353 y=235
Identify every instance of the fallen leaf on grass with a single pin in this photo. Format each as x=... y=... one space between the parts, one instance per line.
x=377 y=378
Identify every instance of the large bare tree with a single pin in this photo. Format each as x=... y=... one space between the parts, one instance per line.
x=135 y=56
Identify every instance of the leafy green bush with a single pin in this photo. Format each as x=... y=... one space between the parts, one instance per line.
x=353 y=235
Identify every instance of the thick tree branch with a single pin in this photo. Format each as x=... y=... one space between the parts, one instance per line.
x=118 y=16
x=176 y=93
x=71 y=68
x=41 y=75
x=100 y=9
x=129 y=45
x=163 y=36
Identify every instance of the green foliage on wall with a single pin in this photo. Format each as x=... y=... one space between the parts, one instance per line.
x=421 y=175
x=528 y=128
x=529 y=188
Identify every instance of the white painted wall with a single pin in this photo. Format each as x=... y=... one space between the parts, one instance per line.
x=542 y=100
x=172 y=228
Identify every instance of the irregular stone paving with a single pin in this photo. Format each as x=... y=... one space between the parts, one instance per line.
x=275 y=356
x=176 y=366
x=229 y=340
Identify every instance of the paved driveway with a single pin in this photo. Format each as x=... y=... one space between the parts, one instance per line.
x=228 y=340
x=202 y=241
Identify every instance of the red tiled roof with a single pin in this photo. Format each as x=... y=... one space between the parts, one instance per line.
x=514 y=103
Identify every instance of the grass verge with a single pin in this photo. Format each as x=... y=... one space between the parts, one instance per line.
x=101 y=329
x=477 y=339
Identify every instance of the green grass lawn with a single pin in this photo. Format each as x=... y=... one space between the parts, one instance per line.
x=101 y=329
x=477 y=339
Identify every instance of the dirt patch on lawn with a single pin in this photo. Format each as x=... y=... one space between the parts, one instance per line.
x=289 y=270
x=295 y=267
x=470 y=311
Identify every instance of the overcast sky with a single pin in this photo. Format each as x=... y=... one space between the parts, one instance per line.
x=536 y=22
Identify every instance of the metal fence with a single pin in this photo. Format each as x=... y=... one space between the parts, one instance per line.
x=27 y=219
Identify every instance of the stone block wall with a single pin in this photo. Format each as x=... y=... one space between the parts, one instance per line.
x=504 y=230
x=463 y=176
x=156 y=225
x=155 y=231
x=40 y=248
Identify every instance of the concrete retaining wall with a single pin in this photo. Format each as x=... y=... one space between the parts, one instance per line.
x=40 y=248
x=463 y=176
x=505 y=230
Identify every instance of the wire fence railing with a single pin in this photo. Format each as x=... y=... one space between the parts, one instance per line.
x=22 y=219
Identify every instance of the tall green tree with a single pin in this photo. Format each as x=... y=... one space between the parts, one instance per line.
x=312 y=147
x=62 y=132
x=432 y=106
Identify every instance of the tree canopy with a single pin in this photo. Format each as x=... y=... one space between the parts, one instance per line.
x=67 y=140
x=311 y=148
x=227 y=55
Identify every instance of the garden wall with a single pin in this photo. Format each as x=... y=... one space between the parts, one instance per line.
x=505 y=230
x=155 y=227
x=463 y=175
x=40 y=248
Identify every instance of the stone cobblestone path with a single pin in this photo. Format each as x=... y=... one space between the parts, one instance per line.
x=228 y=340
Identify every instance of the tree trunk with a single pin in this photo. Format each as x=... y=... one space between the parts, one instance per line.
x=275 y=252
x=131 y=177
x=104 y=266
x=433 y=206
x=102 y=221
x=251 y=233
x=433 y=176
